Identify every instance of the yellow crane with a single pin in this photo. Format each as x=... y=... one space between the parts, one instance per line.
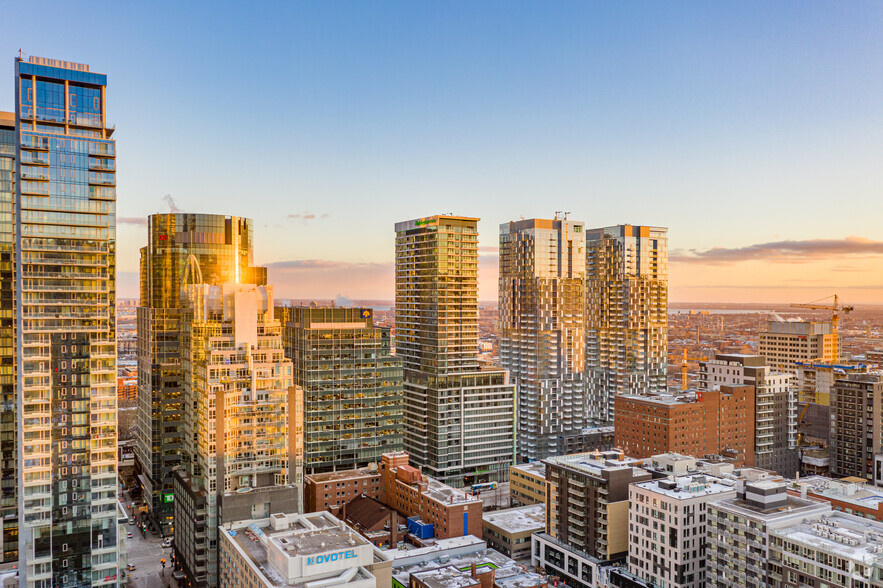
x=834 y=308
x=684 y=360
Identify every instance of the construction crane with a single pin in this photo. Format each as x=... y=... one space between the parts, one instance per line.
x=834 y=308
x=684 y=360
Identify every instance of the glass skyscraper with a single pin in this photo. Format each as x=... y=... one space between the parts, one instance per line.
x=542 y=330
x=222 y=246
x=65 y=272
x=626 y=315
x=352 y=386
x=459 y=414
x=8 y=414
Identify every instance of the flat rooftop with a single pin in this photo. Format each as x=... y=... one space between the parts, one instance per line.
x=507 y=572
x=690 y=486
x=536 y=468
x=446 y=577
x=518 y=520
x=859 y=494
x=443 y=493
x=305 y=535
x=844 y=535
x=793 y=506
x=342 y=475
x=594 y=463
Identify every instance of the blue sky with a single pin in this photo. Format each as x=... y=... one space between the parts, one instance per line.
x=736 y=125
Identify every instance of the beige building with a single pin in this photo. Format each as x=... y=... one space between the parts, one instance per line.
x=508 y=531
x=667 y=537
x=784 y=343
x=527 y=483
x=313 y=549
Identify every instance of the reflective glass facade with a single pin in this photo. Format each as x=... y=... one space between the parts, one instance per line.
x=542 y=330
x=8 y=453
x=459 y=414
x=65 y=271
x=237 y=391
x=222 y=246
x=626 y=315
x=352 y=386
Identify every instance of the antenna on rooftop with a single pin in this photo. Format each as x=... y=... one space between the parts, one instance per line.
x=557 y=212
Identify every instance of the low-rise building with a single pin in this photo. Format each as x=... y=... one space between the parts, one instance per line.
x=470 y=556
x=667 y=528
x=836 y=549
x=739 y=529
x=508 y=531
x=314 y=549
x=452 y=512
x=331 y=490
x=847 y=495
x=402 y=487
x=527 y=483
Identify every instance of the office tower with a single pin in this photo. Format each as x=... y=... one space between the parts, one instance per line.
x=237 y=397
x=542 y=330
x=775 y=405
x=675 y=556
x=712 y=422
x=351 y=382
x=785 y=343
x=65 y=271
x=8 y=453
x=459 y=420
x=222 y=246
x=626 y=315
x=739 y=528
x=587 y=515
x=856 y=425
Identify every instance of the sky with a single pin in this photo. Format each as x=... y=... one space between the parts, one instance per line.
x=752 y=130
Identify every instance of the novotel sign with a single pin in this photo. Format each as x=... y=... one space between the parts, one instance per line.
x=330 y=557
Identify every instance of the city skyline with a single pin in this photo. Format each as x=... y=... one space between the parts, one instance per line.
x=740 y=128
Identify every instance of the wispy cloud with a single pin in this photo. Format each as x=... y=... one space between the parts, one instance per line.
x=132 y=220
x=170 y=202
x=307 y=216
x=781 y=251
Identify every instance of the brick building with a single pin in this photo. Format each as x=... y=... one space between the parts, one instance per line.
x=402 y=487
x=331 y=490
x=709 y=422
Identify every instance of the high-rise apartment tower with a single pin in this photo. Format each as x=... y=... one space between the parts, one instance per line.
x=8 y=414
x=351 y=382
x=458 y=413
x=626 y=315
x=238 y=402
x=222 y=246
x=542 y=330
x=65 y=335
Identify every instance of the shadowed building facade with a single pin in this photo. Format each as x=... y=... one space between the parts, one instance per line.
x=459 y=414
x=65 y=335
x=542 y=330
x=222 y=245
x=626 y=315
